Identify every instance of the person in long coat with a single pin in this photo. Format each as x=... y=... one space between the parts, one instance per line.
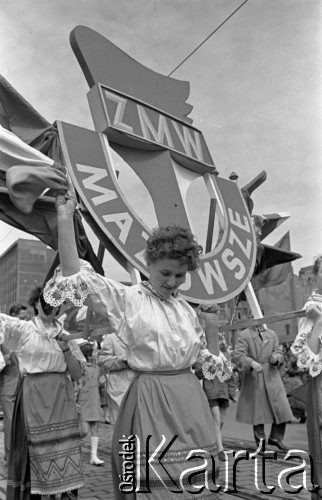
x=262 y=396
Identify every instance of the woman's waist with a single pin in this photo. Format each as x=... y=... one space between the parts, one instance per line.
x=39 y=374
x=42 y=364
x=159 y=363
x=121 y=376
x=161 y=372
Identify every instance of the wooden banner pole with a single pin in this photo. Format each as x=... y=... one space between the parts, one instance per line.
x=240 y=325
x=89 y=312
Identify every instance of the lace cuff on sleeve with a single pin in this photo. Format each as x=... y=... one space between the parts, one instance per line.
x=306 y=359
x=215 y=366
x=75 y=287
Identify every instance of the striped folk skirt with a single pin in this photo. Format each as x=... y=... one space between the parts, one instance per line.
x=163 y=442
x=45 y=451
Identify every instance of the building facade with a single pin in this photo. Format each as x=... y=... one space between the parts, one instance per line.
x=288 y=296
x=23 y=266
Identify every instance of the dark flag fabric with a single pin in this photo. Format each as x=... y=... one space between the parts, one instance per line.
x=18 y=116
x=31 y=163
x=268 y=223
x=28 y=172
x=273 y=263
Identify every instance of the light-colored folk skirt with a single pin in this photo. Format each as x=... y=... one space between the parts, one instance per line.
x=164 y=443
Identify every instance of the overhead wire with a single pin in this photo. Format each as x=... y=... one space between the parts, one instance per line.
x=207 y=38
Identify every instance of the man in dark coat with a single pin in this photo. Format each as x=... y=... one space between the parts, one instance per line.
x=262 y=396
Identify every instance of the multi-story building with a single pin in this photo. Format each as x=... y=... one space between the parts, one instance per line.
x=307 y=281
x=288 y=296
x=23 y=266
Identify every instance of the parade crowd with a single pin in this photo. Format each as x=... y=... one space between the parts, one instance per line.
x=163 y=373
x=89 y=387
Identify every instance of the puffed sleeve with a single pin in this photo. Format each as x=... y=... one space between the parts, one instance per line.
x=12 y=331
x=106 y=296
x=306 y=358
x=212 y=366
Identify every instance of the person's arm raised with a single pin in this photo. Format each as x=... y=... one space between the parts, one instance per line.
x=75 y=280
x=65 y=205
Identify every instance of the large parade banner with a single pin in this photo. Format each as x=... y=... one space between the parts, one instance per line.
x=141 y=123
x=140 y=116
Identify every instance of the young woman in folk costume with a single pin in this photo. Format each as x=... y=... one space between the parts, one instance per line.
x=308 y=350
x=45 y=448
x=163 y=339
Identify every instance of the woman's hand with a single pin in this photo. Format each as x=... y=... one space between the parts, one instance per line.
x=314 y=312
x=66 y=201
x=273 y=360
x=257 y=367
x=6 y=354
x=63 y=344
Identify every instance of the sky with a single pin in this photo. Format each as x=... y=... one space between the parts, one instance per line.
x=255 y=86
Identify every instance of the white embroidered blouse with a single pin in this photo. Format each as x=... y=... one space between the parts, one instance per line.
x=306 y=359
x=158 y=334
x=35 y=346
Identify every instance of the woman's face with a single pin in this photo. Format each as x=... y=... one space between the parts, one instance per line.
x=26 y=314
x=47 y=318
x=166 y=275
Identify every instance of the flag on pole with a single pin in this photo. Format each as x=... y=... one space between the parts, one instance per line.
x=23 y=170
x=270 y=273
x=269 y=222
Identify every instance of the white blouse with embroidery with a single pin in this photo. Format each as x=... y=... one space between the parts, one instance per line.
x=306 y=358
x=159 y=334
x=35 y=345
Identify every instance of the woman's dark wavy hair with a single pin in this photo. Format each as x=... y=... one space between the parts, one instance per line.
x=87 y=350
x=37 y=295
x=316 y=265
x=173 y=242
